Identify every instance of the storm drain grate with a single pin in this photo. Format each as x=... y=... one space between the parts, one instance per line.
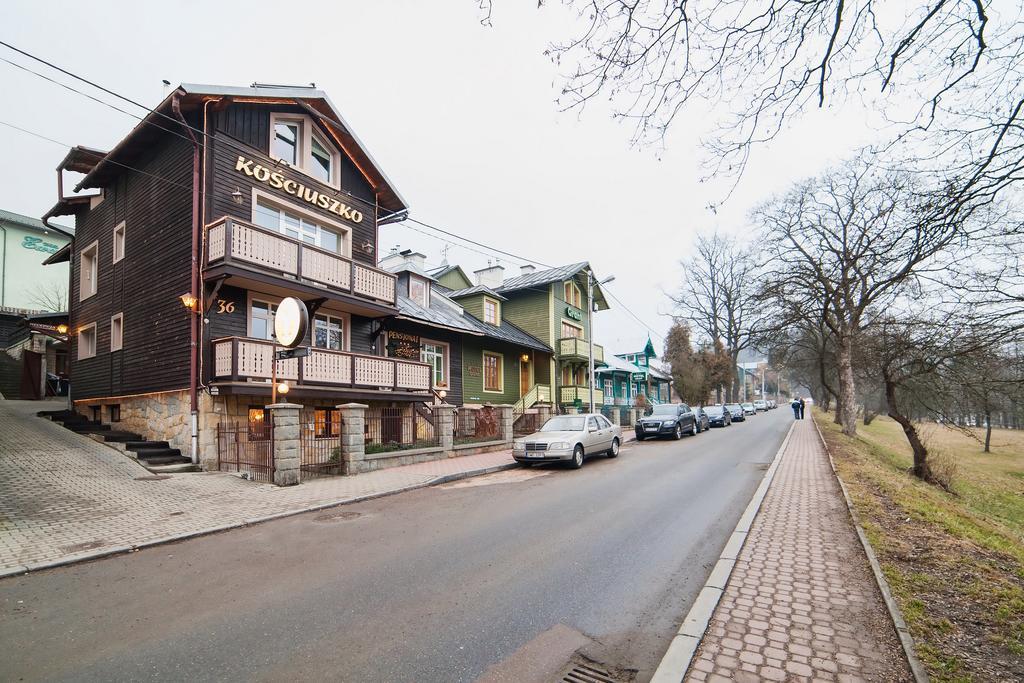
x=588 y=673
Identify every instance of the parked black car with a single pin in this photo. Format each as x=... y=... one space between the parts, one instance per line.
x=736 y=412
x=703 y=421
x=667 y=419
x=718 y=416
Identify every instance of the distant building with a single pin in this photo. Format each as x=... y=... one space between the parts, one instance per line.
x=25 y=284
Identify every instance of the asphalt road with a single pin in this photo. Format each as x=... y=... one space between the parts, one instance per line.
x=500 y=577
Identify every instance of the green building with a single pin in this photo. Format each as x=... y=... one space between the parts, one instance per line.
x=25 y=283
x=550 y=305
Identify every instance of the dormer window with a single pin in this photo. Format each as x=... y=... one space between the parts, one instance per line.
x=419 y=291
x=573 y=297
x=492 y=312
x=296 y=141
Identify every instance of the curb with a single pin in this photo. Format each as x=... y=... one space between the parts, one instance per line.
x=902 y=631
x=677 y=658
x=107 y=552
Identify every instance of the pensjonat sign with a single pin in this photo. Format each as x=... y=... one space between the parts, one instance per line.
x=277 y=181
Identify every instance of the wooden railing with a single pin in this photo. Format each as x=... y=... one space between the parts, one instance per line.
x=569 y=394
x=229 y=240
x=579 y=348
x=240 y=359
x=540 y=393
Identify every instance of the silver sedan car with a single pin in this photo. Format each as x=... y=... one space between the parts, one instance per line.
x=569 y=438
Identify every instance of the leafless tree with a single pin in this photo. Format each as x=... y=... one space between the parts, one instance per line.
x=717 y=296
x=49 y=297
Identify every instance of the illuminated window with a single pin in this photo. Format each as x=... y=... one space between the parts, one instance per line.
x=492 y=312
x=259 y=423
x=326 y=422
x=494 y=379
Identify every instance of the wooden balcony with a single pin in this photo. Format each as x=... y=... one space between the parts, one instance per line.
x=239 y=359
x=572 y=348
x=569 y=394
x=230 y=241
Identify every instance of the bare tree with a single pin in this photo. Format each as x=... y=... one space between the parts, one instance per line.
x=49 y=297
x=717 y=297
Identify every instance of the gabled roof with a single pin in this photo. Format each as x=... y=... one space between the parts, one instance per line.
x=475 y=289
x=193 y=95
x=543 y=278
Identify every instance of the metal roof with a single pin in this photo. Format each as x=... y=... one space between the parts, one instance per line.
x=475 y=289
x=542 y=277
x=33 y=223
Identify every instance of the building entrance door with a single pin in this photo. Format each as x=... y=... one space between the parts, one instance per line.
x=524 y=377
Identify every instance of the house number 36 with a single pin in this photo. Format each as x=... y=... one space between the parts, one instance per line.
x=224 y=306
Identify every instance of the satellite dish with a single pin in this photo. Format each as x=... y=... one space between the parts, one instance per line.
x=291 y=322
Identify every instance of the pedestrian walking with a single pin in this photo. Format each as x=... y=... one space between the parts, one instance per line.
x=801 y=407
x=795 y=405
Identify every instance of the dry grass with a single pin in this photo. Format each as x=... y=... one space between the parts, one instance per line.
x=955 y=560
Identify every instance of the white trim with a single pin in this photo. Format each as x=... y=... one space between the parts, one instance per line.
x=119 y=317
x=578 y=291
x=304 y=153
x=95 y=341
x=119 y=228
x=501 y=372
x=426 y=290
x=345 y=230
x=252 y=296
x=95 y=248
x=346 y=328
x=447 y=360
x=570 y=323
x=497 y=309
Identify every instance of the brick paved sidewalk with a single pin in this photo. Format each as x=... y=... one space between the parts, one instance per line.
x=65 y=497
x=802 y=603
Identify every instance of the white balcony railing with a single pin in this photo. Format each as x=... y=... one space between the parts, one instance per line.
x=229 y=240
x=579 y=348
x=241 y=359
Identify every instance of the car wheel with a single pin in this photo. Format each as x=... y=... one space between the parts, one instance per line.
x=678 y=434
x=640 y=438
x=613 y=452
x=693 y=430
x=577 y=457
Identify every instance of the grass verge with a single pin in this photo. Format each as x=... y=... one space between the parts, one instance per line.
x=954 y=560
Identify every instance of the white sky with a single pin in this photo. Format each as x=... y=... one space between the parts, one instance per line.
x=460 y=116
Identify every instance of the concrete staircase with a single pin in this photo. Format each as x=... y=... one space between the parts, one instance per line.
x=156 y=456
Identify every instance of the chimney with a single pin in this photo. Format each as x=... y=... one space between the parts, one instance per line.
x=417 y=259
x=526 y=270
x=394 y=261
x=491 y=276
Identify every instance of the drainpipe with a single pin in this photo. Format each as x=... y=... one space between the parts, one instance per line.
x=193 y=315
x=3 y=270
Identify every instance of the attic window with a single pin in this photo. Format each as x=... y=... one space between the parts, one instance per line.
x=492 y=312
x=296 y=141
x=419 y=291
x=573 y=297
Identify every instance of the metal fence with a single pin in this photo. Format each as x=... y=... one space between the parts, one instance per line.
x=247 y=448
x=320 y=437
x=398 y=429
x=476 y=424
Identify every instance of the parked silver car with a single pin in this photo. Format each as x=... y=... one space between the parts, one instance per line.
x=569 y=438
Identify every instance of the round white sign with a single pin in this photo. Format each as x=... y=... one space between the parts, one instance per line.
x=291 y=322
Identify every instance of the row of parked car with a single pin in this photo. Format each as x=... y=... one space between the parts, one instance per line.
x=677 y=419
x=571 y=438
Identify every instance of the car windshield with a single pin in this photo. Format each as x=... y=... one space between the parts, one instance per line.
x=748 y=405
x=664 y=409
x=732 y=406
x=714 y=410
x=564 y=423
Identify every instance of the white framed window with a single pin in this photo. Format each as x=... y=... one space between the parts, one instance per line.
x=494 y=372
x=492 y=311
x=571 y=330
x=419 y=291
x=88 y=271
x=435 y=354
x=329 y=332
x=573 y=296
x=291 y=222
x=119 y=242
x=261 y=319
x=116 y=331
x=295 y=139
x=87 y=341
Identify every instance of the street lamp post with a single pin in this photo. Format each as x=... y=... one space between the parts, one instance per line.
x=590 y=326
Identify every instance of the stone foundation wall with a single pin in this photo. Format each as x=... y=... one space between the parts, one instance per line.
x=157 y=417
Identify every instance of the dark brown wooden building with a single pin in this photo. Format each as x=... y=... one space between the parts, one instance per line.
x=221 y=202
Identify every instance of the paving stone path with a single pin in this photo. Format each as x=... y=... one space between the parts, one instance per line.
x=65 y=497
x=802 y=603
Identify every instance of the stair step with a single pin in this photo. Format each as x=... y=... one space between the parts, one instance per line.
x=140 y=444
x=151 y=460
x=122 y=437
x=87 y=428
x=173 y=469
x=155 y=452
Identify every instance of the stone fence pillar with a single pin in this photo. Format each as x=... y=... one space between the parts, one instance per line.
x=287 y=443
x=353 y=437
x=543 y=414
x=504 y=413
x=444 y=425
